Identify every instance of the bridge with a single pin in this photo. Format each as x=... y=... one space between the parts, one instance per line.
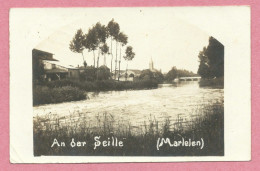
x=189 y=78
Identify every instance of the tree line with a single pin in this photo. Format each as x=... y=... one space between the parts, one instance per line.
x=97 y=40
x=176 y=73
x=211 y=60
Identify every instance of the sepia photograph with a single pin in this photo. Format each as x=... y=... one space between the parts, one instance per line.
x=120 y=84
x=143 y=85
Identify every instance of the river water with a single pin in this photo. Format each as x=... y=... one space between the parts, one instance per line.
x=137 y=107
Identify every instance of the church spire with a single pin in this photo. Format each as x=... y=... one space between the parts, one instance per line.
x=151 y=65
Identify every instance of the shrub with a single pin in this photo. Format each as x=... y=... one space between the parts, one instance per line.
x=46 y=95
x=214 y=83
x=149 y=75
x=104 y=85
x=92 y=74
x=103 y=73
x=89 y=74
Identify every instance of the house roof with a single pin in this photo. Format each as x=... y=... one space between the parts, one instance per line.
x=43 y=55
x=58 y=63
x=82 y=67
x=56 y=70
x=136 y=71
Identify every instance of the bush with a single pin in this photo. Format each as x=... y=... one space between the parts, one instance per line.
x=174 y=73
x=104 y=85
x=149 y=75
x=214 y=83
x=92 y=74
x=89 y=74
x=46 y=95
x=71 y=90
x=103 y=73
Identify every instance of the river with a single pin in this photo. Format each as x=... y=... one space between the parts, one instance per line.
x=138 y=107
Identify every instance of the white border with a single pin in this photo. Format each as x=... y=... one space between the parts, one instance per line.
x=230 y=25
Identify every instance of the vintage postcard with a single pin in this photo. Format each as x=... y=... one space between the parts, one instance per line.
x=158 y=84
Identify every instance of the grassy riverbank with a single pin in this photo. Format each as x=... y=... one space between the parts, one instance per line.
x=214 y=83
x=207 y=124
x=72 y=90
x=104 y=85
x=46 y=95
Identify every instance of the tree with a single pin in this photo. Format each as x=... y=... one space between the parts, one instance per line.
x=122 y=39
x=104 y=51
x=113 y=30
x=185 y=73
x=132 y=75
x=175 y=73
x=211 y=60
x=89 y=74
x=215 y=54
x=158 y=76
x=77 y=43
x=101 y=38
x=150 y=75
x=172 y=74
x=103 y=73
x=91 y=42
x=97 y=40
x=129 y=55
x=204 y=69
x=146 y=75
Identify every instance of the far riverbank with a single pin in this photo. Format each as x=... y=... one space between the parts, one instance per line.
x=72 y=90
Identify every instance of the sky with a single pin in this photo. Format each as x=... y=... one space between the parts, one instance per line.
x=159 y=34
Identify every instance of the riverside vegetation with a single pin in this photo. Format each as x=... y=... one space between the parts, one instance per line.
x=73 y=90
x=46 y=95
x=213 y=83
x=207 y=123
x=211 y=67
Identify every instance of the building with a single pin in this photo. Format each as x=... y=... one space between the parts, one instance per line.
x=45 y=67
x=38 y=56
x=54 y=70
x=129 y=75
x=42 y=55
x=151 y=66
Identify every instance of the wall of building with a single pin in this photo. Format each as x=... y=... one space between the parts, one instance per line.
x=49 y=65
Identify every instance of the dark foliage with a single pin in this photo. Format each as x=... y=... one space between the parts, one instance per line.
x=213 y=83
x=92 y=74
x=212 y=60
x=149 y=75
x=104 y=85
x=103 y=73
x=46 y=95
x=174 y=73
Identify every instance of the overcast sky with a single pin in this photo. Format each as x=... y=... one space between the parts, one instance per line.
x=157 y=33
